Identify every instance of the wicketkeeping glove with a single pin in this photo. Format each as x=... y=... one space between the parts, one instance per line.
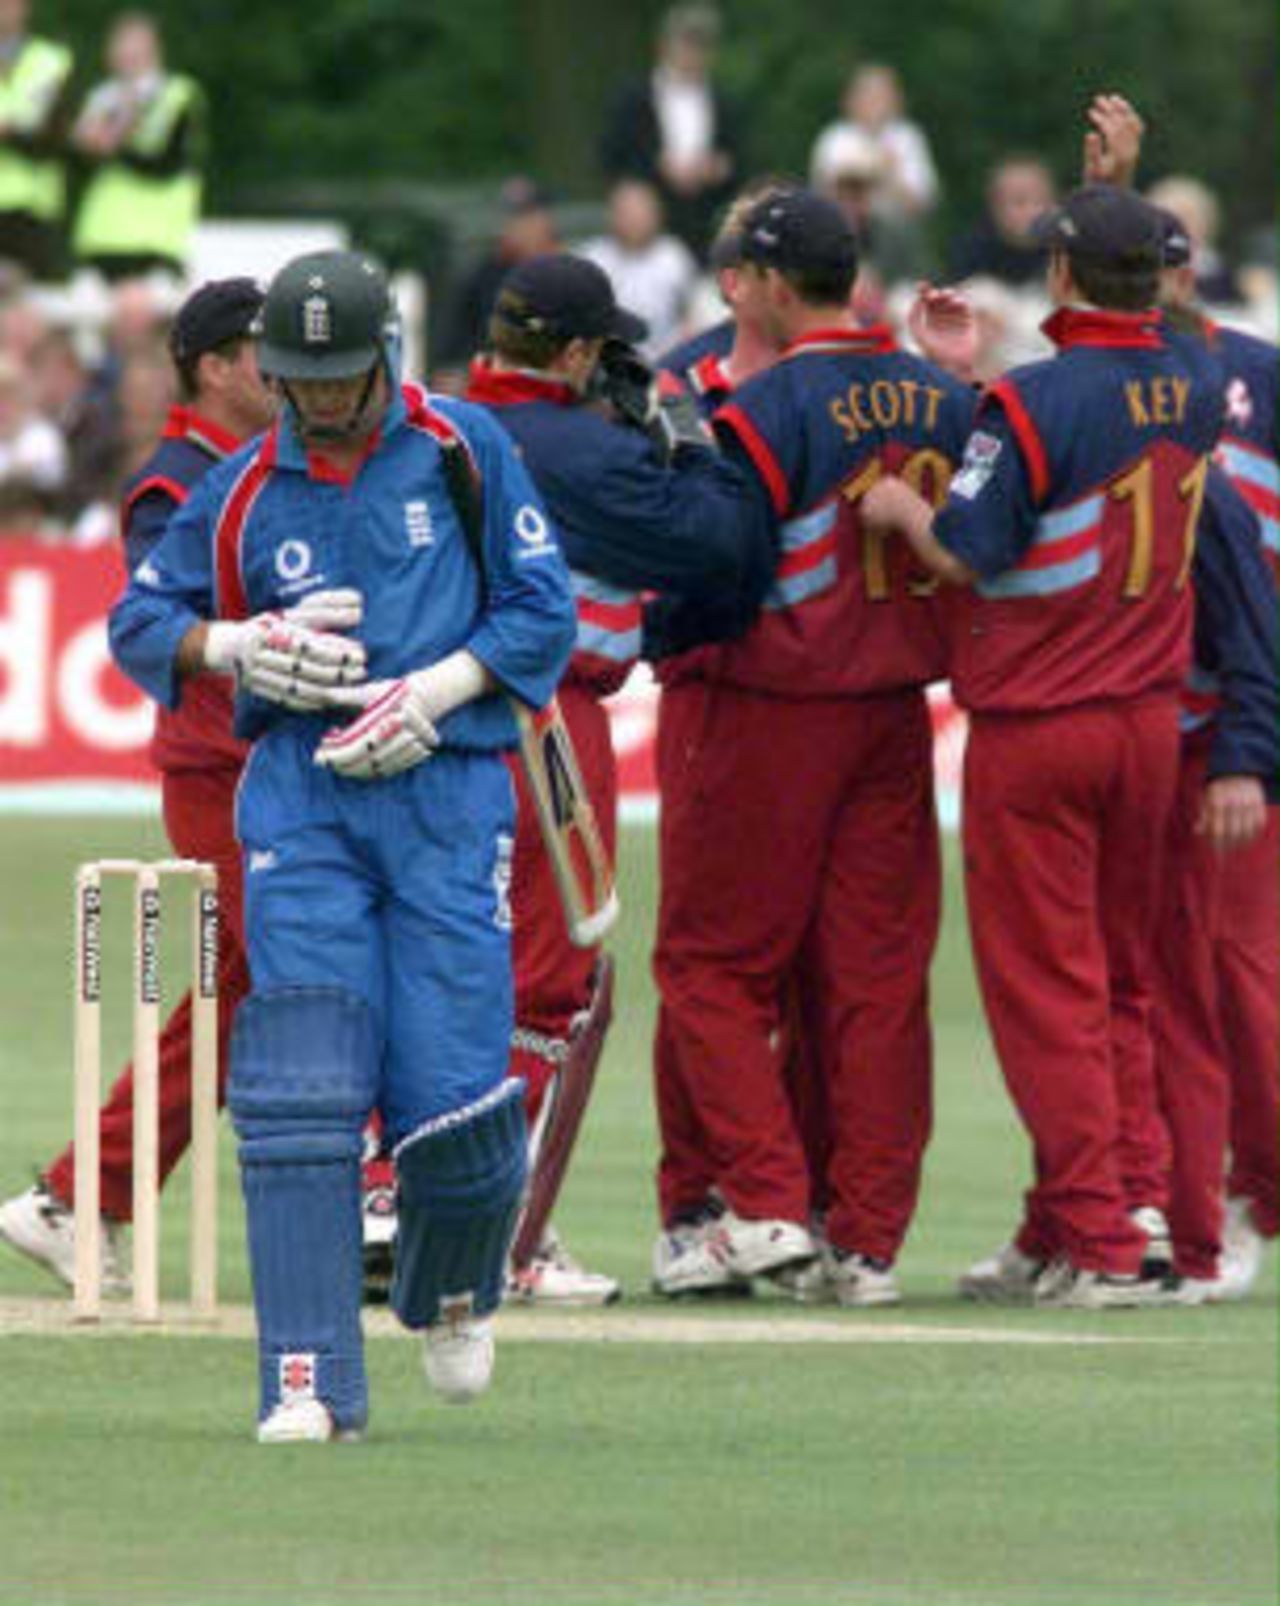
x=292 y=658
x=397 y=726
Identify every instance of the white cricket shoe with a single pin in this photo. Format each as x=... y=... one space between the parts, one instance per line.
x=39 y=1225
x=1006 y=1278
x=751 y=1248
x=807 y=1282
x=304 y=1421
x=859 y=1280
x=1241 y=1258
x=1063 y=1286
x=684 y=1262
x=457 y=1354
x=1157 y=1259
x=554 y=1277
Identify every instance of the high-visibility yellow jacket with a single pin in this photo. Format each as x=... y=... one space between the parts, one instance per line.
x=126 y=210
x=29 y=90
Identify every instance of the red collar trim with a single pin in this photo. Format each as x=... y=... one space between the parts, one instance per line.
x=507 y=387
x=186 y=424
x=875 y=339
x=709 y=378
x=1091 y=326
x=323 y=468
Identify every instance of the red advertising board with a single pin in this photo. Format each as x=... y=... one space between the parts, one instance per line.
x=66 y=711
x=69 y=718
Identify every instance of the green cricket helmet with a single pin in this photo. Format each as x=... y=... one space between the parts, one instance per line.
x=327 y=315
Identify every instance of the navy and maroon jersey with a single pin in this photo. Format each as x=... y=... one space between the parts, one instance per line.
x=1077 y=508
x=716 y=342
x=1232 y=696
x=849 y=613
x=627 y=522
x=1249 y=448
x=196 y=735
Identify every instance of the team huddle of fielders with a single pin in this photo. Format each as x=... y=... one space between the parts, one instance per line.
x=802 y=526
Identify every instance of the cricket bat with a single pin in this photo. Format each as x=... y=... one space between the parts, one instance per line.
x=567 y=821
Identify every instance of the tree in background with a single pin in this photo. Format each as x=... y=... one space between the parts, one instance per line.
x=450 y=92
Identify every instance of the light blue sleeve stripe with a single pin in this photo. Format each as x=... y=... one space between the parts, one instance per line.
x=796 y=589
x=1243 y=464
x=1044 y=582
x=806 y=530
x=1068 y=521
x=622 y=646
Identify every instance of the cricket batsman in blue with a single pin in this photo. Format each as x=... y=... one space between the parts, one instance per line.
x=327 y=567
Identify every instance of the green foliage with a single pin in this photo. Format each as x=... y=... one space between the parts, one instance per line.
x=450 y=94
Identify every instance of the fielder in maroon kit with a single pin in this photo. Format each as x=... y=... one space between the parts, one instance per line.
x=1071 y=529
x=223 y=402
x=1219 y=944
x=802 y=811
x=633 y=514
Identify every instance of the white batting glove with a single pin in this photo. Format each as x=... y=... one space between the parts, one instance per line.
x=397 y=728
x=284 y=662
x=340 y=609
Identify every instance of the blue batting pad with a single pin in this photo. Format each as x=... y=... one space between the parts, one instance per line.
x=461 y=1179
x=304 y=1074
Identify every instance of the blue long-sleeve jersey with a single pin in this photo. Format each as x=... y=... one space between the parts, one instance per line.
x=270 y=525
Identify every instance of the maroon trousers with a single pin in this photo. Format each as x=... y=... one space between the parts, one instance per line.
x=790 y=826
x=1247 y=962
x=199 y=816
x=1065 y=816
x=1194 y=1087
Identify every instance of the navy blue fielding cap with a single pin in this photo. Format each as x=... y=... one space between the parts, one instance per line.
x=798 y=231
x=1105 y=224
x=567 y=297
x=221 y=310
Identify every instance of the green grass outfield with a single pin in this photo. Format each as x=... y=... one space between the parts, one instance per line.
x=936 y=1455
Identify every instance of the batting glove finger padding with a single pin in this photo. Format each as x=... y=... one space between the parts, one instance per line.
x=341 y=609
x=393 y=734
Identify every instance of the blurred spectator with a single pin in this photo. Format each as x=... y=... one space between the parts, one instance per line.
x=33 y=454
x=873 y=107
x=653 y=273
x=1000 y=246
x=146 y=393
x=854 y=169
x=675 y=129
x=35 y=113
x=142 y=132
x=1196 y=207
x=23 y=326
x=61 y=382
x=528 y=230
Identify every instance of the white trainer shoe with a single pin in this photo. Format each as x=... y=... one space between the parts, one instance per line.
x=554 y=1277
x=39 y=1225
x=1241 y=1258
x=684 y=1263
x=751 y=1248
x=304 y=1421
x=1063 y=1286
x=807 y=1282
x=1157 y=1260
x=859 y=1280
x=1006 y=1278
x=457 y=1355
